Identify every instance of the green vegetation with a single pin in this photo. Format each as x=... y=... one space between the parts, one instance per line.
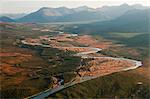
x=125 y=35
x=129 y=39
x=73 y=43
x=123 y=85
x=131 y=53
x=25 y=89
x=45 y=62
x=59 y=61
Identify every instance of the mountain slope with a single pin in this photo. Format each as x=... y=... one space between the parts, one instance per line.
x=132 y=21
x=82 y=16
x=83 y=8
x=6 y=19
x=116 y=11
x=83 y=13
x=14 y=15
x=62 y=15
x=45 y=15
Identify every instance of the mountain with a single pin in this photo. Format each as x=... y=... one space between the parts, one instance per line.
x=6 y=19
x=115 y=11
x=132 y=21
x=82 y=16
x=55 y=11
x=83 y=8
x=83 y=13
x=13 y=15
x=45 y=14
x=62 y=14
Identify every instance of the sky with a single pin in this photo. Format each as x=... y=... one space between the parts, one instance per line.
x=28 y=6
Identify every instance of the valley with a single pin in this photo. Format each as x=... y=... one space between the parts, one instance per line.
x=78 y=52
x=84 y=73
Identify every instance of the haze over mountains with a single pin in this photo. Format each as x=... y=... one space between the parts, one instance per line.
x=13 y=15
x=132 y=21
x=83 y=13
x=6 y=19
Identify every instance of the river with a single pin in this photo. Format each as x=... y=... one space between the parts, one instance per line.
x=50 y=91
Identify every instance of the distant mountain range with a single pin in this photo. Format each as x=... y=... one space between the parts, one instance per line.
x=62 y=14
x=131 y=21
x=13 y=15
x=6 y=19
x=83 y=13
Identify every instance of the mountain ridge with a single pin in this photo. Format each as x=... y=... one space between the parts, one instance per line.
x=82 y=13
x=132 y=21
x=6 y=19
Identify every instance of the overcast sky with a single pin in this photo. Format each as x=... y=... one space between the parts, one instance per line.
x=27 y=6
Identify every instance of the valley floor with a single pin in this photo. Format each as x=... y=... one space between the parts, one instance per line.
x=35 y=58
x=117 y=64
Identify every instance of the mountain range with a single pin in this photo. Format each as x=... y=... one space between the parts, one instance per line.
x=6 y=19
x=83 y=13
x=132 y=21
x=13 y=15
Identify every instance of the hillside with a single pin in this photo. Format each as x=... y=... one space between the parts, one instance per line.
x=83 y=13
x=62 y=14
x=6 y=19
x=116 y=11
x=13 y=15
x=132 y=21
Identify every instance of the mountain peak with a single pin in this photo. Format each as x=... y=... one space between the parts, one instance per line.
x=138 y=6
x=43 y=8
x=63 y=7
x=124 y=5
x=83 y=13
x=6 y=19
x=83 y=8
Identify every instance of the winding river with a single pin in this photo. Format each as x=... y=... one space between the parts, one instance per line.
x=50 y=91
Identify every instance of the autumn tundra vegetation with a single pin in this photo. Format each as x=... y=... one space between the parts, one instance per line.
x=27 y=69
